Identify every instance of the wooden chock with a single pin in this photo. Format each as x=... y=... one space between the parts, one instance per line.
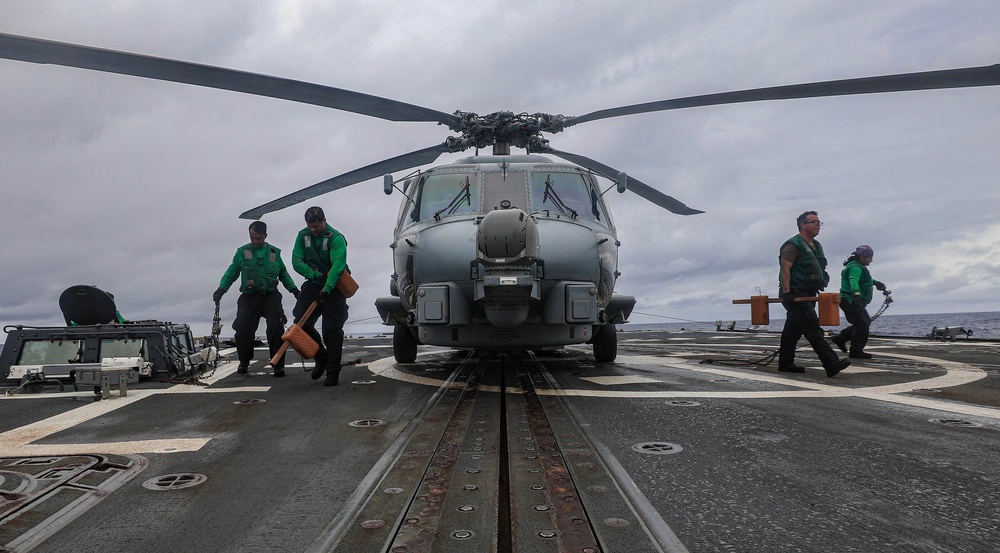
x=829 y=309
x=298 y=339
x=759 y=311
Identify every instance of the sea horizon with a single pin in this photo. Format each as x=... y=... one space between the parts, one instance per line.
x=983 y=324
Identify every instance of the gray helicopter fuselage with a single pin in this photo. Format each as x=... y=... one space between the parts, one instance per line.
x=504 y=252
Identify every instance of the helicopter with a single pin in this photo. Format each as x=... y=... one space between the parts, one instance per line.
x=501 y=251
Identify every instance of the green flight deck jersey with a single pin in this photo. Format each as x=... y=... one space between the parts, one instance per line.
x=260 y=270
x=808 y=274
x=320 y=259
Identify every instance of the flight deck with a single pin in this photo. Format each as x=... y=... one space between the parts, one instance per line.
x=689 y=441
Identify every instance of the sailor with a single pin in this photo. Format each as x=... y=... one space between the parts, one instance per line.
x=320 y=255
x=259 y=266
x=855 y=294
x=803 y=274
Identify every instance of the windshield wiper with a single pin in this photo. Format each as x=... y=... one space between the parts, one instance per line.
x=463 y=194
x=550 y=192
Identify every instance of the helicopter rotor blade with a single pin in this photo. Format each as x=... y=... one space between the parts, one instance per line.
x=398 y=163
x=36 y=50
x=988 y=75
x=642 y=189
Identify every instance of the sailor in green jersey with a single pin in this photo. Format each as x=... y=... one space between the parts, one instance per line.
x=855 y=294
x=803 y=274
x=260 y=268
x=320 y=255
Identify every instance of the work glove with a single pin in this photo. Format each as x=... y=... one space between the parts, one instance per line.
x=323 y=297
x=217 y=295
x=879 y=286
x=295 y=293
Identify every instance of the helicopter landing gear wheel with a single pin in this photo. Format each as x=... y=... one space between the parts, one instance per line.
x=606 y=344
x=404 y=344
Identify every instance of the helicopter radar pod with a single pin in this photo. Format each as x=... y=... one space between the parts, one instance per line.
x=504 y=253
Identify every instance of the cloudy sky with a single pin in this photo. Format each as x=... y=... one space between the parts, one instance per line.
x=135 y=185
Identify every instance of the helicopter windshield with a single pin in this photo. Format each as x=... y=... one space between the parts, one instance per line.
x=447 y=194
x=566 y=193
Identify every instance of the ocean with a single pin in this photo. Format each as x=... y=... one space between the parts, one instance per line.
x=984 y=325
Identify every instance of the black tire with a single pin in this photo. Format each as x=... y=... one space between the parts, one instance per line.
x=606 y=344
x=404 y=344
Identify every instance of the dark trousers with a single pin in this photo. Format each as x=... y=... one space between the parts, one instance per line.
x=334 y=313
x=250 y=308
x=802 y=321
x=861 y=322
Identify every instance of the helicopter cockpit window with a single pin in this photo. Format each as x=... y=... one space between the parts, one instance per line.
x=566 y=193
x=447 y=194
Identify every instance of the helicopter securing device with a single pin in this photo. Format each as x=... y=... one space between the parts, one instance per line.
x=494 y=252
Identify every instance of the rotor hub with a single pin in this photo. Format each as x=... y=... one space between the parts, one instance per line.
x=505 y=127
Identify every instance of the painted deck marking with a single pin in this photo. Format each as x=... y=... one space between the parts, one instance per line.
x=19 y=442
x=957 y=374
x=619 y=380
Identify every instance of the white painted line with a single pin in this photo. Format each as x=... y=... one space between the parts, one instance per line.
x=177 y=445
x=19 y=441
x=957 y=374
x=618 y=380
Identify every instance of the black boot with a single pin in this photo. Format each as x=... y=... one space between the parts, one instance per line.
x=320 y=367
x=332 y=377
x=791 y=369
x=836 y=366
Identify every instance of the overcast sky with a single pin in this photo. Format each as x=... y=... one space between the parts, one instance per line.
x=136 y=185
